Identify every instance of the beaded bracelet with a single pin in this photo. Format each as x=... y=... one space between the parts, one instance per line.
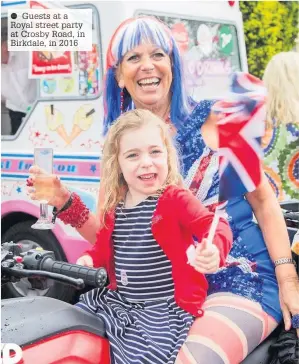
x=74 y=212
x=284 y=261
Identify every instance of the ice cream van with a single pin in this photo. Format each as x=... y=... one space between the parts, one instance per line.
x=66 y=110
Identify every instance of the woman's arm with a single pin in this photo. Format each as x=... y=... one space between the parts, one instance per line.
x=270 y=219
x=269 y=216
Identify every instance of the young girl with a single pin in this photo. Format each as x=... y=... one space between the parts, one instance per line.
x=148 y=222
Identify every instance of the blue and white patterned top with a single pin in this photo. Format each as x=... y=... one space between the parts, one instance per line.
x=143 y=322
x=249 y=271
x=143 y=272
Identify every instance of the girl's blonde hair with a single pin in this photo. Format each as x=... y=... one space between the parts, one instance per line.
x=281 y=79
x=112 y=181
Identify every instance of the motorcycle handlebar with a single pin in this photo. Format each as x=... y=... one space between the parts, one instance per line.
x=76 y=283
x=40 y=263
x=90 y=276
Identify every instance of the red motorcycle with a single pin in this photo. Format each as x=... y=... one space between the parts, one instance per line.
x=50 y=331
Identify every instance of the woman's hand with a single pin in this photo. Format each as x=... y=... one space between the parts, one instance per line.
x=289 y=299
x=207 y=259
x=58 y=194
x=85 y=260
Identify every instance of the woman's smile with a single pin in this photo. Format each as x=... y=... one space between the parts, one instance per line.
x=146 y=73
x=149 y=84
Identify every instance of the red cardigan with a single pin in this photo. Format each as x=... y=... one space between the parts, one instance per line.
x=179 y=217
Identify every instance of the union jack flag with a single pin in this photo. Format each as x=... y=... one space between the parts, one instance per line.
x=241 y=124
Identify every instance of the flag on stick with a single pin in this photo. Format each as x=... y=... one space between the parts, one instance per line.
x=241 y=124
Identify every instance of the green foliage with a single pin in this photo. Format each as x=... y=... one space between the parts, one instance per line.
x=270 y=27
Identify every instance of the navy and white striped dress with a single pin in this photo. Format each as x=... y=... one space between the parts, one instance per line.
x=143 y=322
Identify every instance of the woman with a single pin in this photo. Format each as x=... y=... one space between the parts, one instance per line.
x=281 y=144
x=144 y=71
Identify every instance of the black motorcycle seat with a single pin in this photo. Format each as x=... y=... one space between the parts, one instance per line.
x=261 y=354
x=28 y=320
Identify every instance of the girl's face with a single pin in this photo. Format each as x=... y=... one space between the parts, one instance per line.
x=143 y=161
x=146 y=74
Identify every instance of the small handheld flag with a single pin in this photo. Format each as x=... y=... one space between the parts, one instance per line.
x=241 y=124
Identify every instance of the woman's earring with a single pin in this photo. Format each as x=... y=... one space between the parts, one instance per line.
x=121 y=84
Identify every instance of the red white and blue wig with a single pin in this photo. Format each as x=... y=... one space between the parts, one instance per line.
x=130 y=34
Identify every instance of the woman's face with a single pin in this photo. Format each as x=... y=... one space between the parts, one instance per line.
x=147 y=76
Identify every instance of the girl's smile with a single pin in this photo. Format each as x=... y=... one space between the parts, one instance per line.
x=143 y=161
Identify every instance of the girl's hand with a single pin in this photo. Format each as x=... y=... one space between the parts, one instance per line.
x=59 y=194
x=207 y=259
x=85 y=260
x=289 y=300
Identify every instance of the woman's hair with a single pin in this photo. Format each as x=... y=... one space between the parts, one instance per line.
x=130 y=34
x=281 y=79
x=112 y=180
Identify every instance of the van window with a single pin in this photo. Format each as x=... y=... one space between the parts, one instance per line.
x=86 y=78
x=210 y=53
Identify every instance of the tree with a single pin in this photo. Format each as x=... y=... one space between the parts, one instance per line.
x=270 y=27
